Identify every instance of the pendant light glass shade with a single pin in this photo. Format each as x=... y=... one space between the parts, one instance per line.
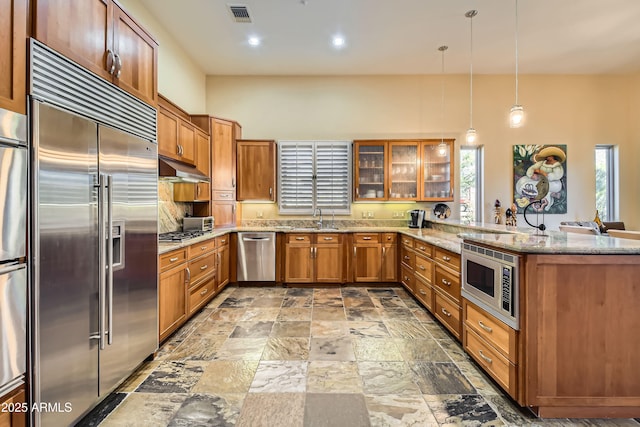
x=442 y=147
x=471 y=132
x=516 y=115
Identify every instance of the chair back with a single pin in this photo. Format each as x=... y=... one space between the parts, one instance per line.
x=624 y=234
x=578 y=229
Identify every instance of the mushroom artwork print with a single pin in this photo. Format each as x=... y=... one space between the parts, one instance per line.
x=540 y=174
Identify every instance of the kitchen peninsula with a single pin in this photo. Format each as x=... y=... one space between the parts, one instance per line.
x=574 y=354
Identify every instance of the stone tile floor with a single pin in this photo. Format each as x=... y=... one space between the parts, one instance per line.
x=280 y=357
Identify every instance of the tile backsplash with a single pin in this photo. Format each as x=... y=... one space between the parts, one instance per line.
x=170 y=213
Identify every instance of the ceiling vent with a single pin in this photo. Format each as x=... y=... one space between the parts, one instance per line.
x=240 y=13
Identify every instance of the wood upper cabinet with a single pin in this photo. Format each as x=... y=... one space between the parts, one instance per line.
x=203 y=152
x=176 y=135
x=101 y=37
x=392 y=171
x=256 y=170
x=191 y=192
x=13 y=51
x=223 y=155
x=187 y=140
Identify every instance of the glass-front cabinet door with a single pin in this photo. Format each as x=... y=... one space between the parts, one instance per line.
x=403 y=170
x=437 y=170
x=370 y=161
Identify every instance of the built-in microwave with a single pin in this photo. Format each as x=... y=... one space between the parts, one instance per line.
x=490 y=280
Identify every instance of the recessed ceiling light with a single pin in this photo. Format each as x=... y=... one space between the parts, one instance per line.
x=338 y=41
x=254 y=41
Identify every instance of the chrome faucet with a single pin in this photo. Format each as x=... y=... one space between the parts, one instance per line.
x=319 y=223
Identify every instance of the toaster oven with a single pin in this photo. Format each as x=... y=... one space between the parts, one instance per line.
x=200 y=223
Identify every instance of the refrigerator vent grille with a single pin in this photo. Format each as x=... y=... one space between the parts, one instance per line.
x=59 y=81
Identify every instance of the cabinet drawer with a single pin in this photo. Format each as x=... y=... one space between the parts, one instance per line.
x=201 y=248
x=199 y=295
x=448 y=282
x=366 y=237
x=222 y=240
x=423 y=248
x=424 y=293
x=389 y=237
x=223 y=195
x=172 y=258
x=490 y=329
x=407 y=279
x=448 y=313
x=408 y=257
x=424 y=267
x=298 y=238
x=328 y=238
x=407 y=241
x=493 y=362
x=202 y=266
x=447 y=258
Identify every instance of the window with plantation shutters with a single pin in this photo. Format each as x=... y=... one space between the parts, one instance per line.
x=314 y=175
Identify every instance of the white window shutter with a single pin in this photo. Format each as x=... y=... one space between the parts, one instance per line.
x=296 y=177
x=333 y=178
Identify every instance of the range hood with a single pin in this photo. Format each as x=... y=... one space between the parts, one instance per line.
x=172 y=168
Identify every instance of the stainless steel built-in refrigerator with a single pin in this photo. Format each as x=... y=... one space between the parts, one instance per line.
x=95 y=205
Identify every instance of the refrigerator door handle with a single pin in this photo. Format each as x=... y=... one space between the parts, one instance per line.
x=103 y=261
x=110 y=259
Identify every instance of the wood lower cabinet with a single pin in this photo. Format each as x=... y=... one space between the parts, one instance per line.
x=223 y=265
x=256 y=170
x=13 y=412
x=389 y=258
x=118 y=49
x=314 y=258
x=367 y=257
x=13 y=54
x=172 y=292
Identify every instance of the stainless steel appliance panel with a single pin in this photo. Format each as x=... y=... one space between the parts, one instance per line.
x=131 y=165
x=256 y=257
x=65 y=267
x=13 y=322
x=13 y=200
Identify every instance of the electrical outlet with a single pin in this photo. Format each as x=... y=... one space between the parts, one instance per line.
x=401 y=214
x=394 y=214
x=369 y=214
x=364 y=214
x=259 y=214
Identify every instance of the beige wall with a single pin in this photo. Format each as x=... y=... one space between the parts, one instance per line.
x=579 y=111
x=179 y=78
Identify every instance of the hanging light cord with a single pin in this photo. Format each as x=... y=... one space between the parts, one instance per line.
x=442 y=49
x=516 y=52
x=471 y=76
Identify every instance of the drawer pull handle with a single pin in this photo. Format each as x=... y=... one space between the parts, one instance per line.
x=446 y=258
x=299 y=238
x=203 y=248
x=486 y=359
x=366 y=238
x=223 y=241
x=445 y=312
x=422 y=292
x=388 y=237
x=422 y=248
x=204 y=267
x=328 y=238
x=174 y=259
x=406 y=278
x=204 y=291
x=446 y=282
x=406 y=257
x=485 y=327
x=422 y=267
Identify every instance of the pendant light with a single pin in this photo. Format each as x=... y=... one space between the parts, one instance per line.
x=471 y=132
x=516 y=115
x=442 y=147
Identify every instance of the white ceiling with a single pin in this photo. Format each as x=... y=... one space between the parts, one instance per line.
x=402 y=36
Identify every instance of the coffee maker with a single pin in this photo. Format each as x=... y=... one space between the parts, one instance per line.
x=416 y=218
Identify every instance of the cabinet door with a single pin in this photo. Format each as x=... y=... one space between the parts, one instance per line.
x=256 y=170
x=13 y=51
x=223 y=156
x=224 y=213
x=167 y=134
x=137 y=58
x=328 y=263
x=389 y=263
x=370 y=175
x=367 y=263
x=80 y=30
x=172 y=300
x=403 y=170
x=203 y=155
x=223 y=266
x=187 y=142
x=437 y=170
x=298 y=266
x=10 y=418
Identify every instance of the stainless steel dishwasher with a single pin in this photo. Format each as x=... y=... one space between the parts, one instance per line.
x=256 y=257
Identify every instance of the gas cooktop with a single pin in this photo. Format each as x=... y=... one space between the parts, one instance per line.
x=179 y=236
